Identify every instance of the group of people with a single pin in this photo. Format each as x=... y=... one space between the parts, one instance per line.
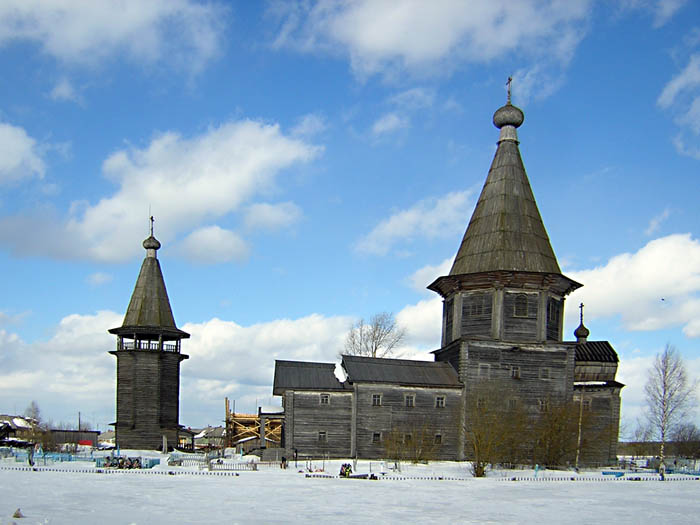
x=122 y=463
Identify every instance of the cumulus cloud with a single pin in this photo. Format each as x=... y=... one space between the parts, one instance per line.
x=72 y=370
x=428 y=219
x=212 y=244
x=661 y=10
x=411 y=35
x=423 y=323
x=654 y=288
x=422 y=277
x=185 y=181
x=414 y=98
x=265 y=216
x=180 y=31
x=20 y=155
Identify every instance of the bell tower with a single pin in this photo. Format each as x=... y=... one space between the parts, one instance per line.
x=148 y=362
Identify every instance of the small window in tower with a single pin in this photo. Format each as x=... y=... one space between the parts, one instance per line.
x=543 y=405
x=484 y=370
x=410 y=401
x=407 y=439
x=322 y=437
x=586 y=404
x=376 y=438
x=438 y=439
x=325 y=399
x=376 y=400
x=520 y=305
x=439 y=401
x=545 y=374
x=512 y=404
x=515 y=372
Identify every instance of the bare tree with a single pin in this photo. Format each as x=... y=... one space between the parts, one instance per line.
x=377 y=338
x=670 y=395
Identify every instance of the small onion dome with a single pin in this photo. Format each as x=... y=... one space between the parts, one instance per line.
x=151 y=243
x=508 y=115
x=581 y=332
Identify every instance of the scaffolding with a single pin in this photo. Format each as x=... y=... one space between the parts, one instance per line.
x=247 y=432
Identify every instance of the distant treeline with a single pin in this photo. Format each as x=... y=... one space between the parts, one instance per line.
x=685 y=449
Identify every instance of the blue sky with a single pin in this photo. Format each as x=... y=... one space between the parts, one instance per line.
x=311 y=164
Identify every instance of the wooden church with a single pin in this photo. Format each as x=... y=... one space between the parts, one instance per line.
x=502 y=325
x=148 y=362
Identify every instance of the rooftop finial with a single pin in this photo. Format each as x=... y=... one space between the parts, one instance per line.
x=151 y=244
x=581 y=332
x=509 y=84
x=152 y=221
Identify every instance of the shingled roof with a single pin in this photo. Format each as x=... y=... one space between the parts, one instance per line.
x=600 y=351
x=299 y=375
x=506 y=231
x=400 y=371
x=149 y=310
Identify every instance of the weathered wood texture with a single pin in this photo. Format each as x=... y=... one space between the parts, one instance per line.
x=600 y=420
x=314 y=428
x=426 y=417
x=148 y=394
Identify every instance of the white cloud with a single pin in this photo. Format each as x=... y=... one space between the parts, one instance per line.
x=414 y=98
x=661 y=10
x=681 y=96
x=686 y=80
x=423 y=323
x=385 y=36
x=310 y=125
x=73 y=371
x=212 y=244
x=389 y=123
x=180 y=31
x=185 y=181
x=657 y=287
x=64 y=90
x=426 y=275
x=20 y=156
x=430 y=218
x=656 y=221
x=265 y=216
x=99 y=278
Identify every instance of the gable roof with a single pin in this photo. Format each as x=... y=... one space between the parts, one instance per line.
x=399 y=371
x=299 y=375
x=506 y=231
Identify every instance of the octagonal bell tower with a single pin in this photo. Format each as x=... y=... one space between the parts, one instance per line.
x=148 y=362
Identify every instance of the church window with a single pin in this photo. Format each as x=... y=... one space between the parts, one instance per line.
x=407 y=439
x=543 y=405
x=438 y=439
x=515 y=372
x=325 y=399
x=410 y=401
x=586 y=404
x=322 y=437
x=376 y=437
x=545 y=374
x=439 y=401
x=481 y=403
x=512 y=404
x=520 y=305
x=376 y=400
x=484 y=370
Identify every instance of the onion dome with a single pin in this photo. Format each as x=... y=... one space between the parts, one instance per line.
x=508 y=115
x=151 y=243
x=581 y=333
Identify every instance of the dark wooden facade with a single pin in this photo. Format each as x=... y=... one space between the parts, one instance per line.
x=148 y=363
x=502 y=330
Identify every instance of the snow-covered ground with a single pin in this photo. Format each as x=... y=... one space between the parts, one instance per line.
x=272 y=495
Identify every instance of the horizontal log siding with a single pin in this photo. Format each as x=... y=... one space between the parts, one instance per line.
x=600 y=425
x=393 y=415
x=530 y=387
x=309 y=417
x=520 y=328
x=148 y=391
